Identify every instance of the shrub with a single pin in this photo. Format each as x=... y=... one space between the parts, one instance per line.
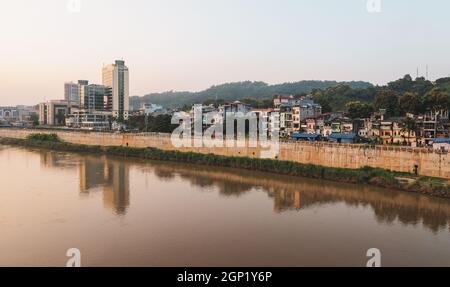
x=43 y=137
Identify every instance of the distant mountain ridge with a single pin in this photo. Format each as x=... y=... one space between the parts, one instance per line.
x=238 y=91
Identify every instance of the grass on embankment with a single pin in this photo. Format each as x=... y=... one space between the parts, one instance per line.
x=366 y=175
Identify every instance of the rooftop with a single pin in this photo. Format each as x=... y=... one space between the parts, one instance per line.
x=304 y=136
x=442 y=140
x=342 y=136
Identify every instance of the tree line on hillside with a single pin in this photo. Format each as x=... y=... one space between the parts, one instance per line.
x=397 y=98
x=248 y=90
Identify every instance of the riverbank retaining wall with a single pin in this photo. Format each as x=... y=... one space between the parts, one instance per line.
x=404 y=159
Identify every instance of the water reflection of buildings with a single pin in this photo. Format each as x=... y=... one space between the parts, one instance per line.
x=111 y=176
x=96 y=173
x=286 y=200
x=288 y=193
x=294 y=194
x=58 y=160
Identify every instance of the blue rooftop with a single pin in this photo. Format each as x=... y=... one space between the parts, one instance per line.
x=304 y=136
x=343 y=136
x=442 y=140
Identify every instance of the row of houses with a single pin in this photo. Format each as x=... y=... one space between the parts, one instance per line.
x=302 y=119
x=287 y=116
x=412 y=130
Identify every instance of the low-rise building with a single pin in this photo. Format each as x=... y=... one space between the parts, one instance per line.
x=235 y=107
x=152 y=109
x=294 y=112
x=279 y=101
x=430 y=125
x=89 y=120
x=266 y=119
x=286 y=121
x=392 y=131
x=9 y=114
x=341 y=126
x=54 y=112
x=402 y=135
x=311 y=126
x=19 y=116
x=386 y=132
x=442 y=144
x=326 y=131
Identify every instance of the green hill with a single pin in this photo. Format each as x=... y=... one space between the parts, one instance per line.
x=239 y=91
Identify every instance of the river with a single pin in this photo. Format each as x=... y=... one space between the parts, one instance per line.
x=127 y=212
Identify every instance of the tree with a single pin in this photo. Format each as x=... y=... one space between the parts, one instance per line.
x=336 y=98
x=157 y=124
x=406 y=84
x=323 y=101
x=443 y=84
x=436 y=100
x=300 y=95
x=408 y=125
x=359 y=110
x=326 y=107
x=136 y=122
x=259 y=104
x=443 y=81
x=402 y=85
x=161 y=124
x=411 y=103
x=34 y=118
x=422 y=86
x=61 y=117
x=389 y=101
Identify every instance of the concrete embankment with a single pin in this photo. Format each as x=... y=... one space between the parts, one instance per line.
x=401 y=159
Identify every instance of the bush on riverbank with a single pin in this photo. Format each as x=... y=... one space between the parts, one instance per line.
x=365 y=175
x=43 y=137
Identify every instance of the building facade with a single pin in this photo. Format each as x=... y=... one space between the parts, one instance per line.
x=54 y=113
x=294 y=113
x=116 y=76
x=71 y=92
x=152 y=109
x=89 y=120
x=9 y=114
x=96 y=98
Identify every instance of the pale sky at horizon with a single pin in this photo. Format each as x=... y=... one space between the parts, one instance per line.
x=193 y=44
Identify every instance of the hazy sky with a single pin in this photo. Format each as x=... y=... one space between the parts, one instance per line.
x=193 y=44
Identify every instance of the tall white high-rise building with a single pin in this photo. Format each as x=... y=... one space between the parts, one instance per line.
x=116 y=76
